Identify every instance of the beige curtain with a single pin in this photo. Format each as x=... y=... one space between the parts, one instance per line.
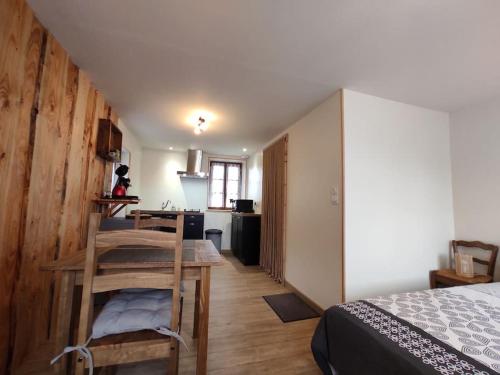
x=273 y=218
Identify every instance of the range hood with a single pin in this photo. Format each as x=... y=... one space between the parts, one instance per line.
x=193 y=169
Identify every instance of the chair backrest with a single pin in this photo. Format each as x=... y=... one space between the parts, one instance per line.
x=484 y=255
x=151 y=223
x=100 y=242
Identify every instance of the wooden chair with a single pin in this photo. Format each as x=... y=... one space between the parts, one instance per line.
x=485 y=256
x=142 y=221
x=141 y=345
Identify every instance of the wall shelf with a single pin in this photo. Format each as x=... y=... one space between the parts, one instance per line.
x=109 y=141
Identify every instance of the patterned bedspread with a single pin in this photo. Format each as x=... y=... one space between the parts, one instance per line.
x=466 y=318
x=441 y=331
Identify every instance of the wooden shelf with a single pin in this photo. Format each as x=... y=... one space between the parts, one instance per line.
x=111 y=206
x=109 y=139
x=116 y=200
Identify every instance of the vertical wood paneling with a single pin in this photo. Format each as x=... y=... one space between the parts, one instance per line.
x=20 y=42
x=49 y=171
x=45 y=198
x=77 y=158
x=68 y=242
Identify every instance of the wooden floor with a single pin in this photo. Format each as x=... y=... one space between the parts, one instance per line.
x=245 y=335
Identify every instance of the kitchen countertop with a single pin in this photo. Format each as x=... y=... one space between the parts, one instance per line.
x=244 y=214
x=167 y=212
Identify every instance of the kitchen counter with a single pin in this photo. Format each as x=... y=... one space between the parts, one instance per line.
x=244 y=214
x=166 y=212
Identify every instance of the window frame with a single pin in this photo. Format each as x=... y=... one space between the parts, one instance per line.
x=224 y=193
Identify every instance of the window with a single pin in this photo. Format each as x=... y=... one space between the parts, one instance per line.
x=225 y=184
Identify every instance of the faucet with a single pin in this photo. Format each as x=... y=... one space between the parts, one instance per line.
x=164 y=205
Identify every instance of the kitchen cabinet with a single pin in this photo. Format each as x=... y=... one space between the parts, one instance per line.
x=193 y=226
x=245 y=237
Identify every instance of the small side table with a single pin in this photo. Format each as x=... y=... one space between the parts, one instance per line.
x=448 y=277
x=111 y=206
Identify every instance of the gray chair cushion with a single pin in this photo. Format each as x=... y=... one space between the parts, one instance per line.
x=134 y=310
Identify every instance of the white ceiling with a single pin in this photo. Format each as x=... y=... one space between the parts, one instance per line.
x=259 y=65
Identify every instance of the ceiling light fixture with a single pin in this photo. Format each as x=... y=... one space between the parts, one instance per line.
x=170 y=148
x=201 y=126
x=244 y=150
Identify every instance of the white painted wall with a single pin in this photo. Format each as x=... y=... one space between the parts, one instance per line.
x=398 y=195
x=475 y=136
x=160 y=182
x=254 y=180
x=314 y=226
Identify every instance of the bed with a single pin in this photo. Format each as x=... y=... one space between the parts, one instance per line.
x=439 y=331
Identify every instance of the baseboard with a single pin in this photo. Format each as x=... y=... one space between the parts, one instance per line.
x=226 y=251
x=305 y=298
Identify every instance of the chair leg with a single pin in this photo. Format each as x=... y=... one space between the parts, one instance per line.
x=196 y=323
x=180 y=314
x=173 y=361
x=80 y=368
x=432 y=279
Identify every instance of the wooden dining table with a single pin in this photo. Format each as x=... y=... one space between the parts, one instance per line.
x=198 y=257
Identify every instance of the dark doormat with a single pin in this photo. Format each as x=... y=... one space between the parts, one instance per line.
x=290 y=308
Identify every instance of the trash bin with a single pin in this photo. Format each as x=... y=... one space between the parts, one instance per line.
x=216 y=236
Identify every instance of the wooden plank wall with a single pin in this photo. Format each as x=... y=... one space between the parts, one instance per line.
x=49 y=174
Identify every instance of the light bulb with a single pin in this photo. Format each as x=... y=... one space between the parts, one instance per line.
x=197 y=130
